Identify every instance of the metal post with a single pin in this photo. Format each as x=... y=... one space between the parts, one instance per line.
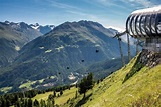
x=137 y=47
x=128 y=46
x=122 y=57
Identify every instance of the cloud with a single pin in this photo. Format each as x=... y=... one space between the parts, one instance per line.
x=57 y=4
x=124 y=3
x=109 y=3
x=134 y=3
x=76 y=12
x=88 y=16
x=144 y=3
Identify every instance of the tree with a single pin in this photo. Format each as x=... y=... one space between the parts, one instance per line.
x=29 y=102
x=76 y=94
x=49 y=103
x=90 y=81
x=50 y=97
x=69 y=87
x=61 y=92
x=53 y=101
x=98 y=81
x=18 y=103
x=76 y=85
x=36 y=103
x=54 y=93
x=86 y=84
x=42 y=103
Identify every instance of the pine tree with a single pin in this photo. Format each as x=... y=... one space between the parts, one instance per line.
x=36 y=103
x=25 y=102
x=86 y=84
x=69 y=87
x=90 y=81
x=54 y=93
x=49 y=103
x=76 y=94
x=61 y=92
x=53 y=102
x=29 y=102
x=42 y=103
x=82 y=86
x=3 y=103
x=18 y=103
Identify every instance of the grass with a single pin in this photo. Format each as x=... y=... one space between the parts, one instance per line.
x=27 y=84
x=113 y=93
x=42 y=96
x=41 y=81
x=67 y=94
x=5 y=89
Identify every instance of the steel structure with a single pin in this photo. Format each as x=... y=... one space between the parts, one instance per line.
x=145 y=24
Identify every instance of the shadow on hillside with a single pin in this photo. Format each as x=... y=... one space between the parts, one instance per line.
x=83 y=101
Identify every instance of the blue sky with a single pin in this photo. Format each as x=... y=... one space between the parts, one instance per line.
x=110 y=13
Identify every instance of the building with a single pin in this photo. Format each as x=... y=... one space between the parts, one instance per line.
x=145 y=24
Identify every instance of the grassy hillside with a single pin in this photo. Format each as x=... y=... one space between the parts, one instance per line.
x=142 y=89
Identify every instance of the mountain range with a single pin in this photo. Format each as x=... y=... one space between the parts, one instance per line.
x=13 y=36
x=43 y=29
x=54 y=58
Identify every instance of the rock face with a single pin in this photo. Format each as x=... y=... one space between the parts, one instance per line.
x=145 y=58
x=150 y=58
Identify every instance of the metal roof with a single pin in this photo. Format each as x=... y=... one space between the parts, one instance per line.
x=148 y=10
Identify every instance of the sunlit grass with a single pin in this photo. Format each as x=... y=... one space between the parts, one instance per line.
x=5 y=89
x=113 y=93
x=27 y=85
x=42 y=96
x=67 y=94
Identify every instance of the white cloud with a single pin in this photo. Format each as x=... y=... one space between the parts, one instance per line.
x=144 y=3
x=58 y=4
x=76 y=12
x=119 y=29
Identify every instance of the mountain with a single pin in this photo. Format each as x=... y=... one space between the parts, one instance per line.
x=24 y=28
x=43 y=29
x=53 y=57
x=12 y=37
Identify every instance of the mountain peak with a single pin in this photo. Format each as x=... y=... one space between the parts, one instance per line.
x=78 y=26
x=90 y=23
x=7 y=22
x=43 y=29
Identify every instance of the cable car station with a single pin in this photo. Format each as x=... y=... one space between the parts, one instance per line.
x=145 y=25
